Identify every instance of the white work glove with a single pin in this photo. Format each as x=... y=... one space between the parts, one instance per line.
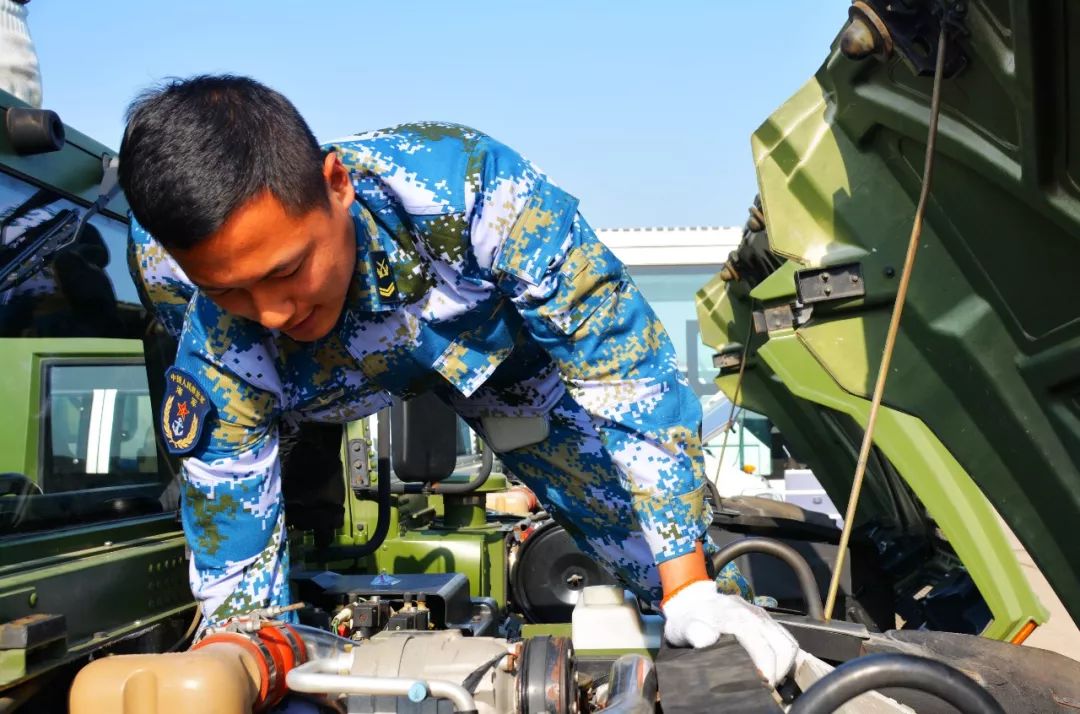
x=697 y=615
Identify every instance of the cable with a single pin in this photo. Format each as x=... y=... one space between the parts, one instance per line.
x=871 y=672
x=894 y=326
x=734 y=401
x=190 y=630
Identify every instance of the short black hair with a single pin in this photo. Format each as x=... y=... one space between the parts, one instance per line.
x=196 y=149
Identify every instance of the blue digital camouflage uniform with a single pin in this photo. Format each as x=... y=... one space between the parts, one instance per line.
x=505 y=304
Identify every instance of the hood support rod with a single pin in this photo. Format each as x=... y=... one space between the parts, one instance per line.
x=894 y=326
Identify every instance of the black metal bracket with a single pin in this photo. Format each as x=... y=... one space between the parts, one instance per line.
x=781 y=317
x=32 y=631
x=913 y=27
x=835 y=282
x=729 y=358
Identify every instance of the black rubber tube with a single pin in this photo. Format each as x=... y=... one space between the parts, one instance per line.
x=866 y=674
x=783 y=551
x=487 y=461
x=382 y=519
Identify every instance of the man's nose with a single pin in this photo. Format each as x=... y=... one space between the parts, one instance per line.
x=272 y=309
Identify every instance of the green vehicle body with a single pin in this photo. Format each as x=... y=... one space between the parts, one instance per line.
x=113 y=578
x=980 y=414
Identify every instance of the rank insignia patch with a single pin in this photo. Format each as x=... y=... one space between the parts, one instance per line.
x=184 y=411
x=384 y=277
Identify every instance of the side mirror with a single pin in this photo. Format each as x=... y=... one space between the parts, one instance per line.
x=423 y=439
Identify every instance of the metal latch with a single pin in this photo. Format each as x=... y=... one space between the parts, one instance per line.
x=836 y=282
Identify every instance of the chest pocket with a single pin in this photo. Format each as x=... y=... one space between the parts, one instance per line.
x=536 y=239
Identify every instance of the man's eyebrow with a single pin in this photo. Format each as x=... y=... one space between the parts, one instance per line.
x=279 y=267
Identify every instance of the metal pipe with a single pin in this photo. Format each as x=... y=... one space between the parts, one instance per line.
x=783 y=551
x=632 y=686
x=321 y=676
x=865 y=674
x=487 y=461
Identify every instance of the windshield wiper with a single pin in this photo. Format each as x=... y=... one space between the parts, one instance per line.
x=33 y=250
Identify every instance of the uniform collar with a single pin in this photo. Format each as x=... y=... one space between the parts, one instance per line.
x=363 y=293
x=380 y=228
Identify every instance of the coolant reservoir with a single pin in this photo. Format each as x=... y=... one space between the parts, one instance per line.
x=517 y=501
x=607 y=617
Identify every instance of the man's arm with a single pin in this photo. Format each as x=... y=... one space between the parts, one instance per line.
x=231 y=503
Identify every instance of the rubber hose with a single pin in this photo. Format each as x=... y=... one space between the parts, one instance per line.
x=783 y=551
x=872 y=672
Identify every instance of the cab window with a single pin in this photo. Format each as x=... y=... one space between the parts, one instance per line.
x=84 y=450
x=98 y=429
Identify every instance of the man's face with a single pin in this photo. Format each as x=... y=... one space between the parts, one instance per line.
x=288 y=273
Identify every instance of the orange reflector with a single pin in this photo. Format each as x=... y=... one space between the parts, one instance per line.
x=1024 y=632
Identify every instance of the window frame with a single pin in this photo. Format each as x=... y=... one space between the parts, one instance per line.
x=44 y=459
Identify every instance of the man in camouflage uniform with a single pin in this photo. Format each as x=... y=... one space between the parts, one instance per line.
x=427 y=257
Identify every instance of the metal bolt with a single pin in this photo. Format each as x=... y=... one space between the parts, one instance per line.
x=828 y=289
x=858 y=40
x=854 y=278
x=357 y=446
x=358 y=464
x=889 y=271
x=575 y=581
x=866 y=35
x=824 y=277
x=33 y=599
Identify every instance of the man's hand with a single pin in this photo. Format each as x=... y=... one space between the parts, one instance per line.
x=697 y=615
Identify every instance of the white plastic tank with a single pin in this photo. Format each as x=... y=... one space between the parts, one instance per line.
x=607 y=617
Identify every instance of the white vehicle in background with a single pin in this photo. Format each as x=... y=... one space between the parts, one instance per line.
x=669 y=265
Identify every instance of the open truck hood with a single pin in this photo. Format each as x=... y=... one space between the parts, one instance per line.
x=982 y=408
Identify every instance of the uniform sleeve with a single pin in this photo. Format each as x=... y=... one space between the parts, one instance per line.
x=231 y=503
x=162 y=285
x=581 y=306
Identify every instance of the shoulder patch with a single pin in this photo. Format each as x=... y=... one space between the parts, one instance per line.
x=185 y=409
x=384 y=277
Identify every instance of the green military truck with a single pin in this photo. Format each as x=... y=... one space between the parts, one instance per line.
x=91 y=553
x=414 y=596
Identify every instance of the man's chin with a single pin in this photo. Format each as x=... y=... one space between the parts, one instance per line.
x=313 y=327
x=317 y=325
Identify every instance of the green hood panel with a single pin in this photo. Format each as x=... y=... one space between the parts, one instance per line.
x=984 y=393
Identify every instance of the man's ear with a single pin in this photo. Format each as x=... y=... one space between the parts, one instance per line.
x=337 y=181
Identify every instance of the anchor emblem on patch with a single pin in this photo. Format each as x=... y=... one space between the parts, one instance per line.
x=384 y=277
x=184 y=411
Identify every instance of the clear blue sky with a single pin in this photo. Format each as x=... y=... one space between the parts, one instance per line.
x=643 y=110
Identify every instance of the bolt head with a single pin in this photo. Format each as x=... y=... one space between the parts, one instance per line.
x=858 y=40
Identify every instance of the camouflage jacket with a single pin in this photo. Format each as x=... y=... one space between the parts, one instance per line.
x=499 y=297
